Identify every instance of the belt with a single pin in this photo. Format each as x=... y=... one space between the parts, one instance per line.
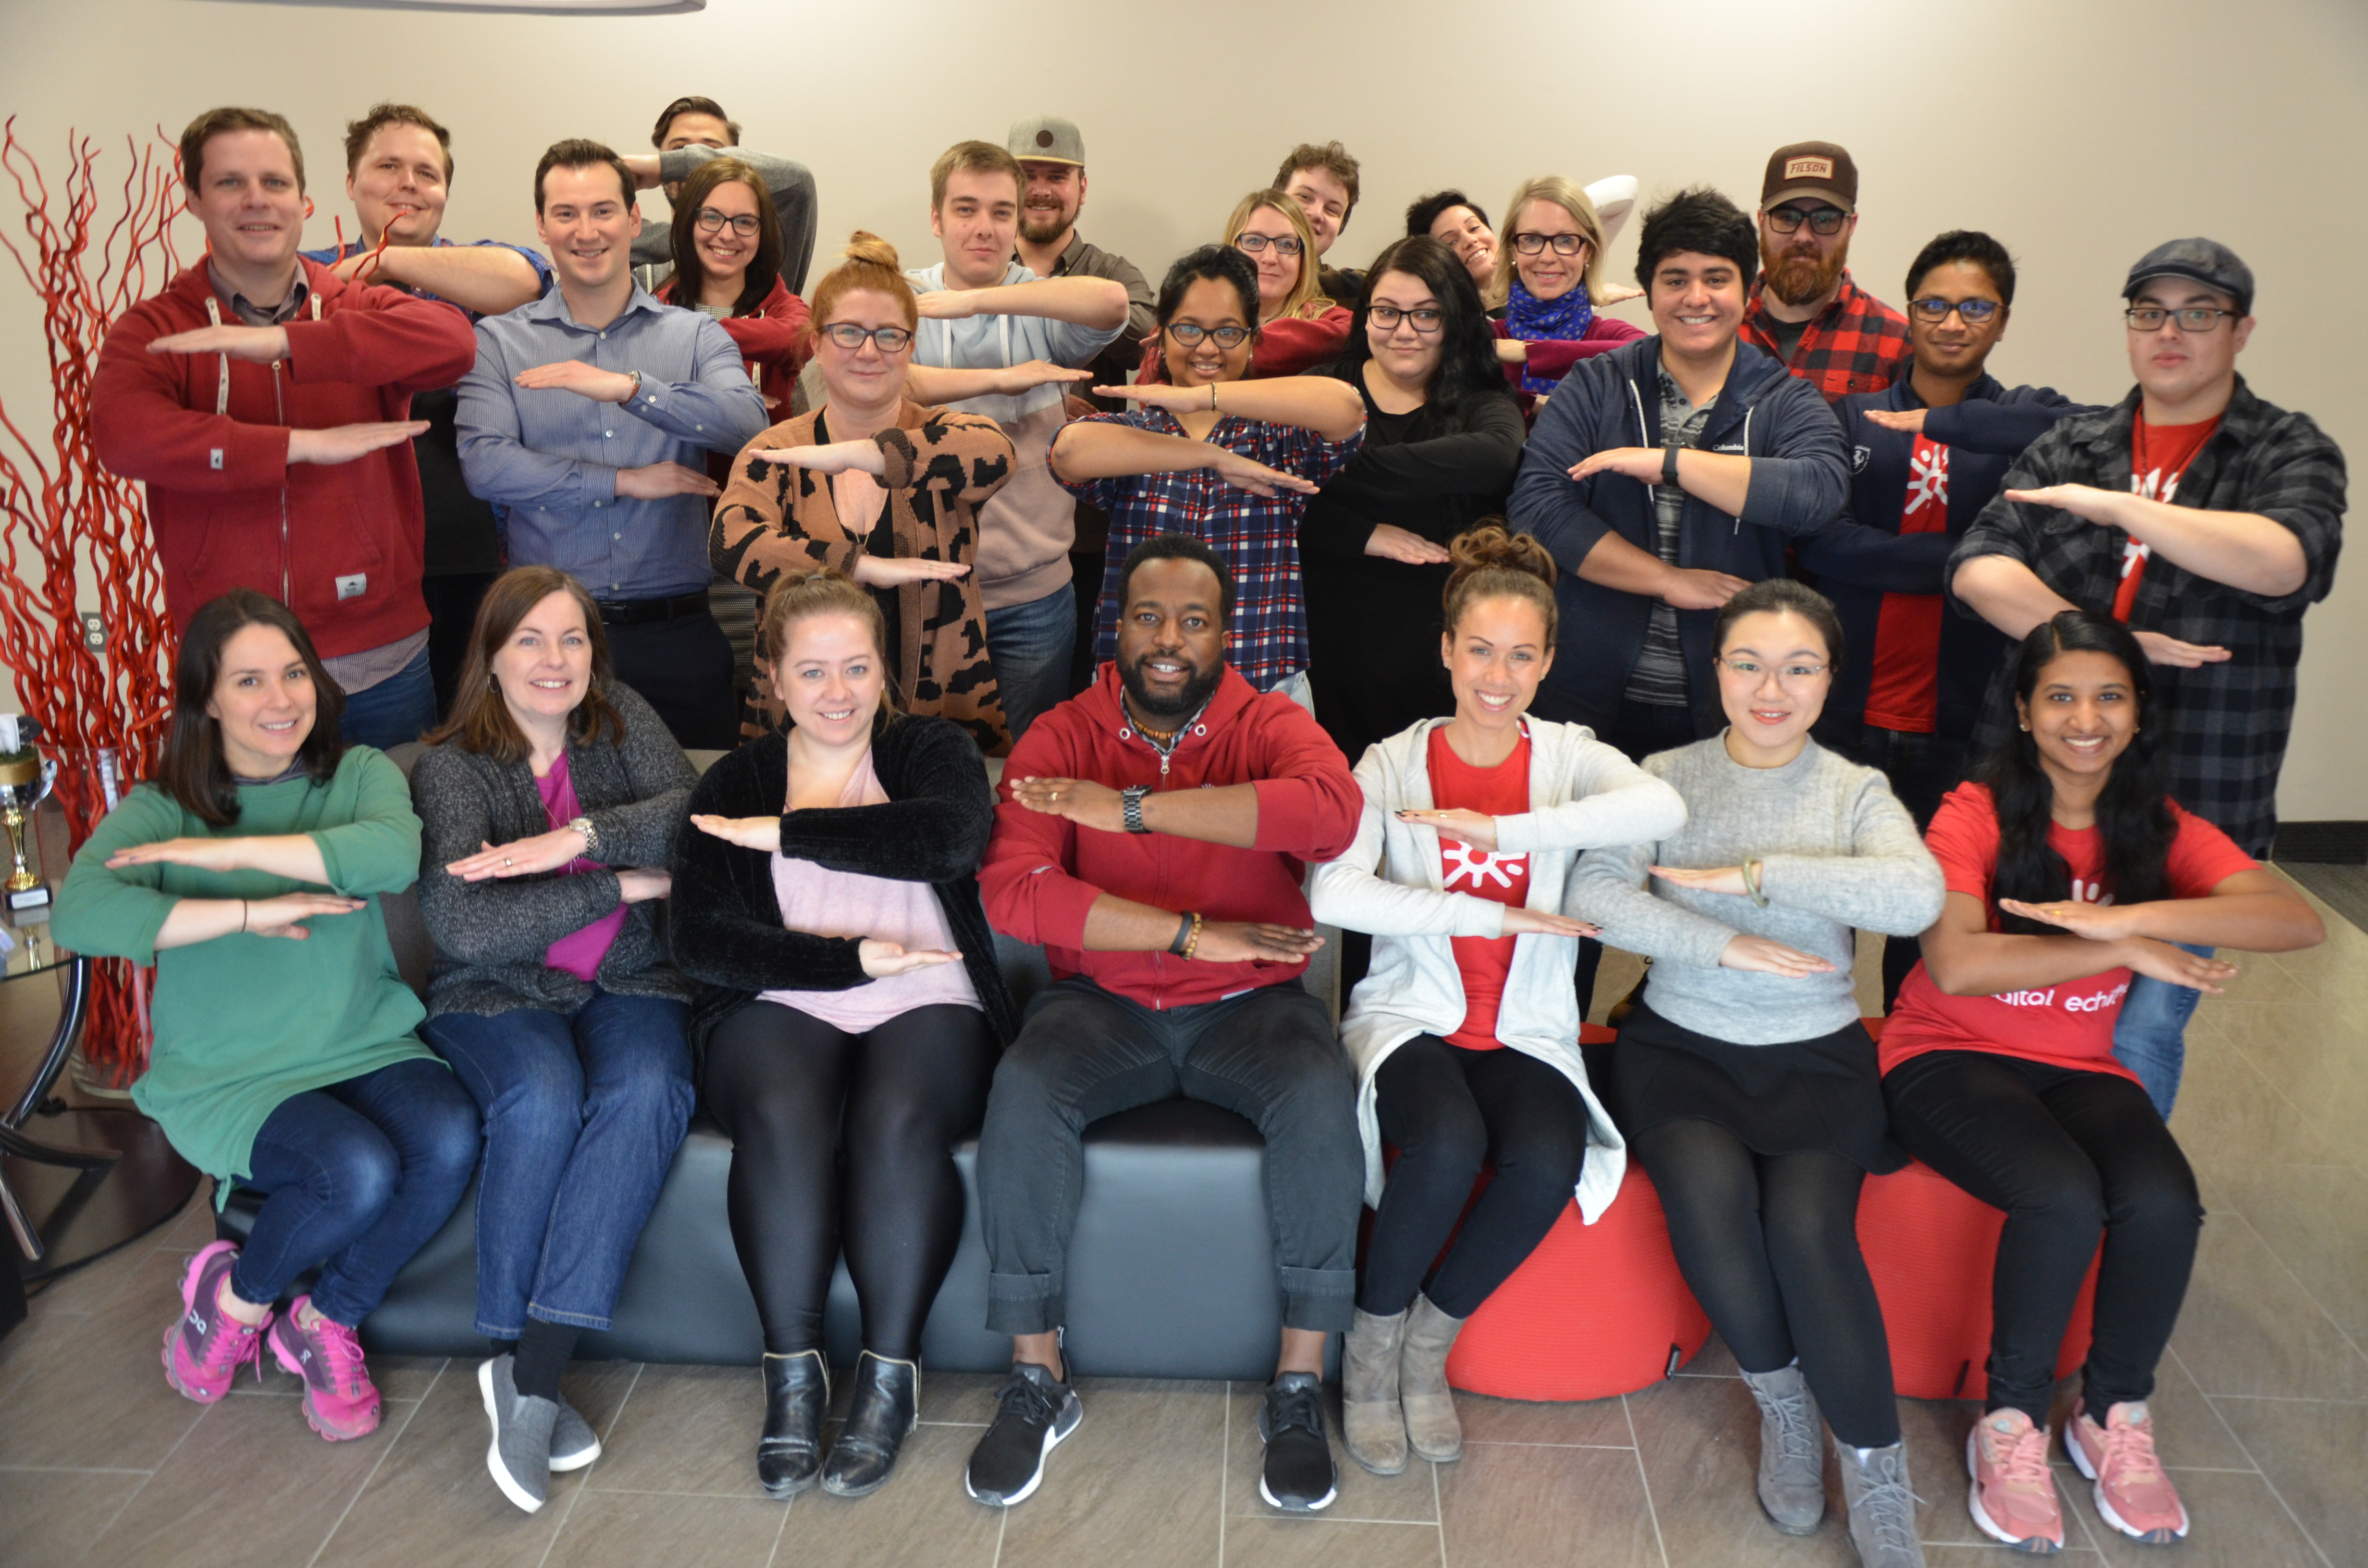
x=635 y=612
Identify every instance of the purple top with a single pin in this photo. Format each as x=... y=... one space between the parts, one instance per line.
x=580 y=951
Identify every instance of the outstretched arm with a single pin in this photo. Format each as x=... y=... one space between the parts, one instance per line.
x=1096 y=303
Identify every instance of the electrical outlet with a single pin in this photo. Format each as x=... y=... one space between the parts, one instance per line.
x=94 y=632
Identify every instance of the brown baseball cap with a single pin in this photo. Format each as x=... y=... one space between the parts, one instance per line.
x=1046 y=138
x=1810 y=168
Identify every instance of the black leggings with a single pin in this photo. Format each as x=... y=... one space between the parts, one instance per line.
x=812 y=1110
x=1768 y=1244
x=2068 y=1155
x=1446 y=1110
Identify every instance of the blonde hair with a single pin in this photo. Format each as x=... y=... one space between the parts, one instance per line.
x=1306 y=300
x=1491 y=563
x=871 y=263
x=1568 y=196
x=794 y=599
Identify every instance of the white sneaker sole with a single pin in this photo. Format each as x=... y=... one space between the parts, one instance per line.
x=2105 y=1510
x=502 y=1477
x=1053 y=1438
x=1316 y=1507
x=2037 y=1545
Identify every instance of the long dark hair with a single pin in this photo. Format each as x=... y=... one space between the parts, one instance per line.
x=193 y=769
x=764 y=268
x=480 y=719
x=1467 y=350
x=2133 y=810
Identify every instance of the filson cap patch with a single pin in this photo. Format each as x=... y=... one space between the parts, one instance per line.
x=1795 y=168
x=1810 y=168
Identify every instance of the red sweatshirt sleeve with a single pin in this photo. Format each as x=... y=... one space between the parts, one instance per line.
x=1290 y=346
x=1309 y=803
x=143 y=430
x=776 y=335
x=378 y=337
x=1025 y=880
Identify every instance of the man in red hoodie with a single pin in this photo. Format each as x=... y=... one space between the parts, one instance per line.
x=1152 y=838
x=265 y=403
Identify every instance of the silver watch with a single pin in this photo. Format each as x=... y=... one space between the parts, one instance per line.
x=1133 y=805
x=591 y=836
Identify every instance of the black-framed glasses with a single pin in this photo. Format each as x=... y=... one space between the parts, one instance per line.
x=1190 y=335
x=850 y=337
x=2195 y=318
x=1564 y=245
x=1824 y=221
x=710 y=220
x=1424 y=319
x=1973 y=313
x=1285 y=244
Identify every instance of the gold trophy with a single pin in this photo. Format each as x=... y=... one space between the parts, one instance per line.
x=25 y=781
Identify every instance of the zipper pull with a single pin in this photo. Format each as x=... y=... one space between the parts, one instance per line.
x=1163 y=767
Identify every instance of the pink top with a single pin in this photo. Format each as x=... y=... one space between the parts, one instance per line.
x=578 y=952
x=846 y=903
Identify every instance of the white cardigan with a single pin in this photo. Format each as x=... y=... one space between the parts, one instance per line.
x=1582 y=794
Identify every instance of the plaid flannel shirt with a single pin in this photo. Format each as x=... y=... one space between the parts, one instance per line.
x=1858 y=344
x=2224 y=726
x=1255 y=536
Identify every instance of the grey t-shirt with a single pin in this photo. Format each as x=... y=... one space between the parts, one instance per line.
x=1660 y=677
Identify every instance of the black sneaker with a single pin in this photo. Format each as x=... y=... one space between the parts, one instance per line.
x=1032 y=1413
x=1298 y=1476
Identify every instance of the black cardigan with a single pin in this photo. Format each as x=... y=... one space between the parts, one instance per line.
x=726 y=922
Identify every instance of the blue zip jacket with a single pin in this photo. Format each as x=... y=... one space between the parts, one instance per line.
x=1799 y=483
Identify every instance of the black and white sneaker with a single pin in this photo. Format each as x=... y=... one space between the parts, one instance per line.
x=1033 y=1412
x=1298 y=1476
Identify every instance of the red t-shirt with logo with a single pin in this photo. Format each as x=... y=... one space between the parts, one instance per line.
x=1904 y=692
x=2065 y=1024
x=2158 y=455
x=1500 y=791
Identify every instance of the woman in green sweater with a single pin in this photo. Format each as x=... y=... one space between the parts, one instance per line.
x=285 y=1056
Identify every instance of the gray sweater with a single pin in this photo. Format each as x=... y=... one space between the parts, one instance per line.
x=792 y=186
x=1838 y=852
x=491 y=936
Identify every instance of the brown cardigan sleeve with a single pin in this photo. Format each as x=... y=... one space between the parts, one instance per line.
x=967 y=454
x=774 y=520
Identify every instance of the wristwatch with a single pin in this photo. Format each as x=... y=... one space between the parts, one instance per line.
x=1132 y=802
x=1669 y=464
x=591 y=836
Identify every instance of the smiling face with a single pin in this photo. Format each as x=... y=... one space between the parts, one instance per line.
x=1771 y=701
x=1697 y=302
x=1494 y=657
x=1209 y=303
x=1406 y=354
x=1548 y=276
x=864 y=377
x=830 y=677
x=263 y=701
x=979 y=222
x=2175 y=365
x=248 y=198
x=545 y=668
x=398 y=185
x=725 y=254
x=1474 y=242
x=586 y=223
x=1278 y=273
x=1049 y=204
x=1171 y=641
x=1953 y=347
x=2082 y=713
x=1325 y=199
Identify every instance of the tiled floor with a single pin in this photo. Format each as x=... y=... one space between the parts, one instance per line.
x=2263 y=1406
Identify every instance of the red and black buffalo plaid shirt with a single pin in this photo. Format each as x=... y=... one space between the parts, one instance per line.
x=1858 y=345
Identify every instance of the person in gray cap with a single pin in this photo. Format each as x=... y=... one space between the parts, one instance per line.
x=2206 y=520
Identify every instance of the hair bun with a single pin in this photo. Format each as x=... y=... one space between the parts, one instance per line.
x=1489 y=546
x=865 y=245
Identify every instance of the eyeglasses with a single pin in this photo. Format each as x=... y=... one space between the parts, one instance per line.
x=1825 y=222
x=1190 y=336
x=2198 y=318
x=1564 y=245
x=709 y=220
x=850 y=337
x=1285 y=244
x=1787 y=675
x=1973 y=313
x=1425 y=319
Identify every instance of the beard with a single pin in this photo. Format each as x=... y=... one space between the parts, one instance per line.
x=1797 y=277
x=1194 y=696
x=1040 y=227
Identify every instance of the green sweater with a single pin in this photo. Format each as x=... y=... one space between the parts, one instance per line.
x=243 y=1023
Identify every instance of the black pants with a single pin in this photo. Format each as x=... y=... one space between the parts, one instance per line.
x=846 y=1141
x=1922 y=770
x=451 y=616
x=683 y=668
x=1446 y=1110
x=1770 y=1246
x=2068 y=1155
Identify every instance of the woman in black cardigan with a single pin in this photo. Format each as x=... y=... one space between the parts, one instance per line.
x=826 y=894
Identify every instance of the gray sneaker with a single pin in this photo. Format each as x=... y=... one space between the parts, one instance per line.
x=1882 y=1507
x=573 y=1444
x=1792 y=1450
x=519 y=1455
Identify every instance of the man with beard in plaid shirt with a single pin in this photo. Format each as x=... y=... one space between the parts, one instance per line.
x=1805 y=309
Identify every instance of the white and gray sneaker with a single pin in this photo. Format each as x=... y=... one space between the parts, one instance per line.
x=573 y=1444
x=520 y=1454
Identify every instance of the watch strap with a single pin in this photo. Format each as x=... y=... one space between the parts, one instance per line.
x=1669 y=464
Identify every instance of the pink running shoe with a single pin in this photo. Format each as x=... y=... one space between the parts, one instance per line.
x=341 y=1400
x=2013 y=1495
x=2133 y=1494
x=205 y=1346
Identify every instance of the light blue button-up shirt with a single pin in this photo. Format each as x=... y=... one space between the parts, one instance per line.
x=548 y=458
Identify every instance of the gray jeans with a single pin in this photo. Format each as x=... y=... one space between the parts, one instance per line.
x=1268 y=1055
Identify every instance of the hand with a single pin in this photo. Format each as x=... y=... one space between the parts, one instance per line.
x=1243 y=473
x=2097 y=922
x=2161 y=649
x=1030 y=374
x=1243 y=941
x=1618 y=294
x=1697 y=587
x=2083 y=501
x=583 y=380
x=1160 y=395
x=1640 y=464
x=947 y=304
x=1725 y=878
x=1512 y=352
x=880 y=960
x=279 y=916
x=837 y=457
x=1545 y=923
x=1908 y=419
x=344 y=443
x=643 y=167
x=1391 y=542
x=522 y=857
x=748 y=833
x=199 y=854
x=259 y=345
x=1464 y=827
x=895 y=570
x=2177 y=966
x=1081 y=800
x=640 y=884
x=1757 y=955
x=660 y=480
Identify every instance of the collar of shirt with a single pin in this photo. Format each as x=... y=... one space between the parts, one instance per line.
x=553 y=309
x=1844 y=300
x=253 y=314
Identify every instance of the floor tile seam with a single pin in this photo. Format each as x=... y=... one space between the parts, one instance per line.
x=2330 y=1135
x=376 y=1465
x=1225 y=1468
x=1438 y=1512
x=141 y=1486
x=975 y=1425
x=73 y=1469
x=590 y=1485
x=1525 y=1443
x=780 y=1529
x=1278 y=1515
x=2281 y=1398
x=2307 y=1294
x=1652 y=1508
x=2243 y=1448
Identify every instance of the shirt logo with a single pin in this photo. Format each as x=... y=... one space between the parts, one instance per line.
x=1809 y=168
x=1927 y=478
x=1859 y=457
x=1481 y=867
x=352 y=585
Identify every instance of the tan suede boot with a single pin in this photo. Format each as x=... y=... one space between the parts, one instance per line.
x=1372 y=1423
x=1432 y=1430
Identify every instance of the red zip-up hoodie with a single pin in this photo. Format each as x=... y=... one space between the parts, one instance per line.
x=1043 y=872
x=338 y=543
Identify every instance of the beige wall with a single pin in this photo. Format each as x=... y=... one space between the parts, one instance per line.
x=2079 y=132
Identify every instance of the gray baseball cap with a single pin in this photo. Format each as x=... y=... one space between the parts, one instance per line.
x=1046 y=138
x=2207 y=262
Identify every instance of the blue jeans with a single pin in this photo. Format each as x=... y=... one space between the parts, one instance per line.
x=400 y=708
x=360 y=1175
x=1031 y=645
x=2150 y=1036
x=583 y=1117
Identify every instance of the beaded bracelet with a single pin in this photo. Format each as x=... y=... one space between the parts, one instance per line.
x=1193 y=941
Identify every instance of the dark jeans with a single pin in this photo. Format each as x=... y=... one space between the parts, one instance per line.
x=1268 y=1055
x=583 y=1117
x=682 y=668
x=452 y=604
x=2068 y=1155
x=399 y=709
x=358 y=1175
x=1447 y=1110
x=1921 y=769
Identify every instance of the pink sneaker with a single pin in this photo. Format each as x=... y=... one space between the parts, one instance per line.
x=341 y=1400
x=2013 y=1496
x=205 y=1346
x=2133 y=1494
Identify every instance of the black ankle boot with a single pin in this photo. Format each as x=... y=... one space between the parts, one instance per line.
x=797 y=1396
x=887 y=1404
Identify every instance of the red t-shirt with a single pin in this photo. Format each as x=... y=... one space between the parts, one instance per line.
x=1904 y=690
x=1500 y=791
x=2068 y=1024
x=2158 y=455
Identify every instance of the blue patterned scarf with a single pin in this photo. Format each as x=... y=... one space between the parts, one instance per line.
x=1533 y=320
